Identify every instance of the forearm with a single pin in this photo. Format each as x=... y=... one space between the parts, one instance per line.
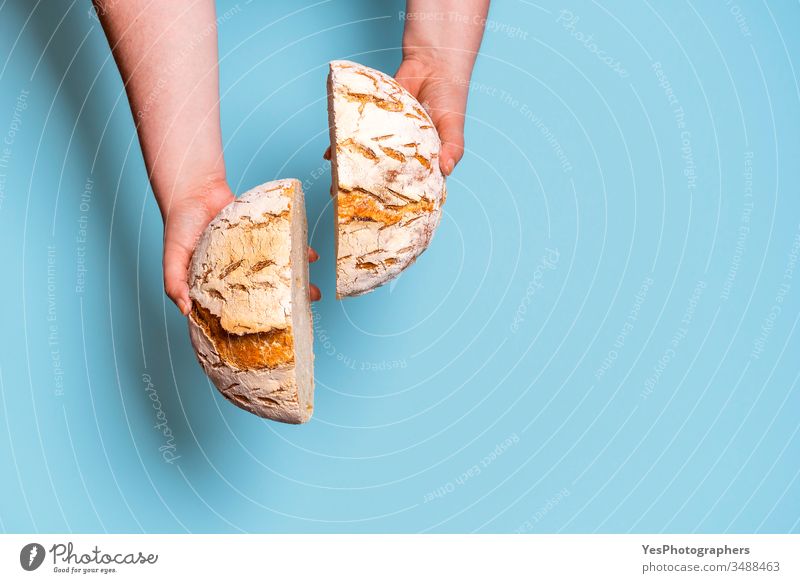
x=447 y=31
x=440 y=43
x=166 y=52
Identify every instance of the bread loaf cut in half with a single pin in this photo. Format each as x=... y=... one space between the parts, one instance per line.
x=250 y=323
x=387 y=185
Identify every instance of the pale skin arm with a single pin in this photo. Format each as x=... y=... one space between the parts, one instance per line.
x=167 y=55
x=440 y=43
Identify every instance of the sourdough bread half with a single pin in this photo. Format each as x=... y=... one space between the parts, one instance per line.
x=250 y=323
x=387 y=186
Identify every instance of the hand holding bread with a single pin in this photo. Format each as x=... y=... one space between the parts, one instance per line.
x=185 y=219
x=250 y=320
x=239 y=267
x=388 y=188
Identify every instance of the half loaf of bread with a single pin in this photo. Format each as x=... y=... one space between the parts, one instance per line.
x=387 y=185
x=250 y=323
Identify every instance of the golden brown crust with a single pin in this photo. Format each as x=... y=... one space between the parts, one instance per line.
x=363 y=99
x=250 y=323
x=354 y=146
x=246 y=351
x=359 y=205
x=387 y=185
x=240 y=268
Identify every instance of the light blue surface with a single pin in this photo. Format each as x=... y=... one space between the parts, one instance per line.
x=578 y=187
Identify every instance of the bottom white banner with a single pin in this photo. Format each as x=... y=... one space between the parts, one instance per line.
x=640 y=557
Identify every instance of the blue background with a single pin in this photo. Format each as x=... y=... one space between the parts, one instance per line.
x=644 y=378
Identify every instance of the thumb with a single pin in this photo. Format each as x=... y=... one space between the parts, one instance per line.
x=451 y=131
x=176 y=267
x=184 y=222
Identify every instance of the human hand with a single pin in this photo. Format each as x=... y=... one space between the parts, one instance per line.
x=184 y=221
x=441 y=39
x=443 y=94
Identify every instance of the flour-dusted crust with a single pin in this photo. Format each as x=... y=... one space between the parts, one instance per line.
x=387 y=184
x=250 y=323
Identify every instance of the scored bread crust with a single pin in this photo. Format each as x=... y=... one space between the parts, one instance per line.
x=387 y=185
x=242 y=284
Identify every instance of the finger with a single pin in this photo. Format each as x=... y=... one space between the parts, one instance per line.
x=313 y=293
x=327 y=154
x=451 y=132
x=410 y=76
x=176 y=264
x=312 y=255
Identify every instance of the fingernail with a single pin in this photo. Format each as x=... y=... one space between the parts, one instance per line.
x=448 y=167
x=183 y=306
